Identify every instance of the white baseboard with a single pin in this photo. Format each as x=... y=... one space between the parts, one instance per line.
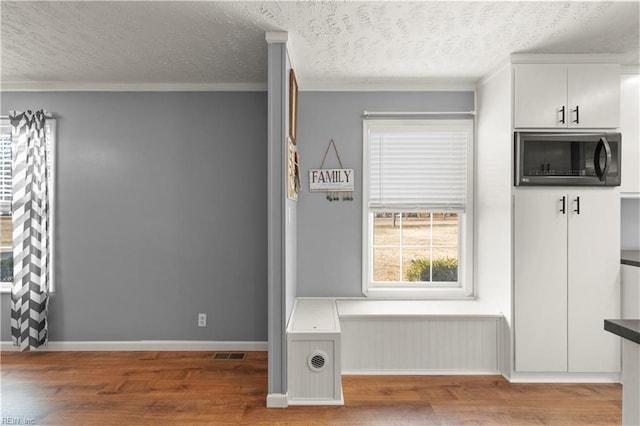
x=564 y=377
x=146 y=345
x=420 y=373
x=277 y=400
x=318 y=402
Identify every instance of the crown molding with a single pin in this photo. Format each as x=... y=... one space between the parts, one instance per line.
x=493 y=73
x=630 y=69
x=562 y=58
x=291 y=61
x=276 y=37
x=63 y=86
x=409 y=85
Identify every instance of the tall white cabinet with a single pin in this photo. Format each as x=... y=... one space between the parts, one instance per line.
x=567 y=279
x=630 y=128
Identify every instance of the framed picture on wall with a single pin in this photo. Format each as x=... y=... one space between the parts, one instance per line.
x=293 y=171
x=293 y=106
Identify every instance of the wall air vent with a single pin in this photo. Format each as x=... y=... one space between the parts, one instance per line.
x=317 y=361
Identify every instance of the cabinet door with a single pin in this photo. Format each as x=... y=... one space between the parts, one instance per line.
x=630 y=285
x=540 y=281
x=629 y=113
x=540 y=95
x=594 y=280
x=594 y=95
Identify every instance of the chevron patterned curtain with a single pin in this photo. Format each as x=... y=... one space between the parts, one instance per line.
x=31 y=245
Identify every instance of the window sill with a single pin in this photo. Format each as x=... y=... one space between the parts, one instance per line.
x=365 y=308
x=441 y=293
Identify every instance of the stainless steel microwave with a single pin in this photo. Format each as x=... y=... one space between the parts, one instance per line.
x=567 y=159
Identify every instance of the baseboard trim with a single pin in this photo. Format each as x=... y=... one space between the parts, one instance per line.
x=145 y=345
x=277 y=400
x=421 y=373
x=564 y=378
x=315 y=402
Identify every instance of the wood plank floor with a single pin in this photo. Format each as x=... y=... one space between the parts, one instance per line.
x=182 y=388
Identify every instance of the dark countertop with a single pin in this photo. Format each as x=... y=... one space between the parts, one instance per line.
x=630 y=257
x=628 y=329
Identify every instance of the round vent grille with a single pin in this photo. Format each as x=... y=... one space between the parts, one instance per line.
x=317 y=361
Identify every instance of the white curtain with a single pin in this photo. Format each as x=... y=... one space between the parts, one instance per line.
x=31 y=165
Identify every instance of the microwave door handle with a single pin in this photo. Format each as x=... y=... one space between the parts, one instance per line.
x=602 y=173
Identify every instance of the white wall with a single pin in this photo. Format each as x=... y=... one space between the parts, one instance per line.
x=493 y=191
x=493 y=198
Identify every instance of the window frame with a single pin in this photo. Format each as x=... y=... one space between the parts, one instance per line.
x=464 y=288
x=51 y=132
x=5 y=286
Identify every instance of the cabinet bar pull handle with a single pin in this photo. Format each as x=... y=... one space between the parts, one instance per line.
x=562 y=111
x=577 y=111
x=563 y=210
x=577 y=200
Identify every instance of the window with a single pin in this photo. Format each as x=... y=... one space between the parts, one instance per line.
x=418 y=208
x=6 y=198
x=6 y=195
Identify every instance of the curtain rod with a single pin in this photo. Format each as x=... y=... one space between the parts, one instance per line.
x=408 y=113
x=7 y=117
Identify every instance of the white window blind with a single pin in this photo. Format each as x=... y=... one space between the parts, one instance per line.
x=419 y=168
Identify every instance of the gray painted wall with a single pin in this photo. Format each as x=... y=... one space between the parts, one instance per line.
x=161 y=215
x=330 y=233
x=630 y=227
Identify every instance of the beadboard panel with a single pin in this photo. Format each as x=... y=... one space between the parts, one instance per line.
x=306 y=384
x=420 y=345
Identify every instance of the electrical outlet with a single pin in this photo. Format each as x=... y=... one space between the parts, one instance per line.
x=202 y=320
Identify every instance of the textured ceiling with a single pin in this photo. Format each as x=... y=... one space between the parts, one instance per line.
x=332 y=42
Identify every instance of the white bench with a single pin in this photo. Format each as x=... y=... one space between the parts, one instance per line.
x=313 y=354
x=419 y=337
x=329 y=337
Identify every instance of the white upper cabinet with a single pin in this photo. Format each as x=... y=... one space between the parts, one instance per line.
x=629 y=113
x=567 y=96
x=540 y=95
x=593 y=95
